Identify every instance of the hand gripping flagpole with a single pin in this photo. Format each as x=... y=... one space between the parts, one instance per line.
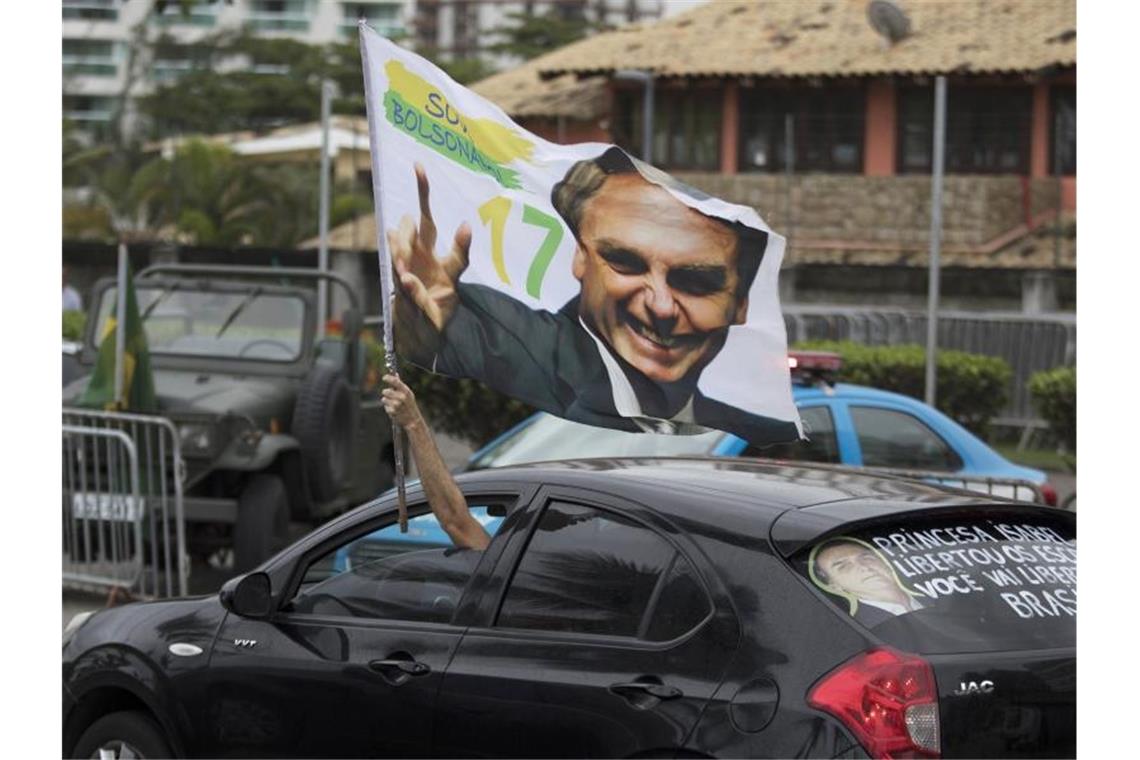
x=387 y=282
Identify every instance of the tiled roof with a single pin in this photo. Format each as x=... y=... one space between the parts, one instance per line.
x=789 y=38
x=522 y=93
x=1034 y=250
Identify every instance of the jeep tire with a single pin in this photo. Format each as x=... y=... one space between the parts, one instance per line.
x=324 y=423
x=262 y=521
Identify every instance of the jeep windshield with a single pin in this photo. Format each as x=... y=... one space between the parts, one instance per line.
x=182 y=320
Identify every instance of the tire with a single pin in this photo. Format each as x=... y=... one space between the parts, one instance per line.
x=135 y=732
x=324 y=423
x=262 y=521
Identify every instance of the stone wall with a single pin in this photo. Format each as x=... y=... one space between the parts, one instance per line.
x=893 y=212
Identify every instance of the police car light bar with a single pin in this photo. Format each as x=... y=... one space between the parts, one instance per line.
x=815 y=361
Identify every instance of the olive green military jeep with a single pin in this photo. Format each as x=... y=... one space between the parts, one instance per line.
x=275 y=421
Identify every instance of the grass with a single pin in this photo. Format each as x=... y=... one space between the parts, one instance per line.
x=1042 y=459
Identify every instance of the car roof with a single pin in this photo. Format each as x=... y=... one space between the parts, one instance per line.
x=741 y=495
x=805 y=392
x=777 y=484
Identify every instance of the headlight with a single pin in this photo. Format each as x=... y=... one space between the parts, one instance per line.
x=196 y=438
x=75 y=624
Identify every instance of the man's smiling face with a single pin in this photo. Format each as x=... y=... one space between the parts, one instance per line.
x=659 y=279
x=859 y=571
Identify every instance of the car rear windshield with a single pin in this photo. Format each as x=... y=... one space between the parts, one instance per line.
x=938 y=585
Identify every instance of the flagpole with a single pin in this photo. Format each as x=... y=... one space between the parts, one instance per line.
x=121 y=325
x=323 y=210
x=387 y=282
x=935 y=239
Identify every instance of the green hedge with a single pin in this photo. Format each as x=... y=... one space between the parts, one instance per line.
x=73 y=322
x=972 y=388
x=465 y=409
x=1054 y=394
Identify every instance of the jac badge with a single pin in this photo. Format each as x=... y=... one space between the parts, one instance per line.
x=974 y=687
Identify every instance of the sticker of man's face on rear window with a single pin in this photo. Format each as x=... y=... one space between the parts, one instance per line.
x=855 y=570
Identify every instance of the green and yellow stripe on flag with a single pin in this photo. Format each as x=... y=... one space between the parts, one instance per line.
x=138 y=381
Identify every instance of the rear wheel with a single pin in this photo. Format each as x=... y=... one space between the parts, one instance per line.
x=128 y=734
x=262 y=521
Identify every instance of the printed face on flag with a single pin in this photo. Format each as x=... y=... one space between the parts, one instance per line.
x=574 y=278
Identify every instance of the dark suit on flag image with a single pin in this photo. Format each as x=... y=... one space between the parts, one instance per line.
x=552 y=361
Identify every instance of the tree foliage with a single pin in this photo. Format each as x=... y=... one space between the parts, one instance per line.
x=1054 y=394
x=203 y=195
x=267 y=83
x=971 y=388
x=466 y=70
x=466 y=409
x=279 y=83
x=530 y=35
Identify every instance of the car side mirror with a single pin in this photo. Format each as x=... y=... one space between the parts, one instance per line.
x=248 y=595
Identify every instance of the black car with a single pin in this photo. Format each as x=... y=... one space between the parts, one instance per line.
x=650 y=607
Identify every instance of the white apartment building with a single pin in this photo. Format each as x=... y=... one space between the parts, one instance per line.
x=97 y=38
x=97 y=34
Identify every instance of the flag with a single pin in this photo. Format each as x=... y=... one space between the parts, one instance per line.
x=138 y=381
x=572 y=277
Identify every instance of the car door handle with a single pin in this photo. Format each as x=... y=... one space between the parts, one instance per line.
x=658 y=690
x=407 y=667
x=645 y=693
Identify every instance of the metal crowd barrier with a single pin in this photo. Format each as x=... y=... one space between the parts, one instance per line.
x=124 y=524
x=1029 y=343
x=1003 y=488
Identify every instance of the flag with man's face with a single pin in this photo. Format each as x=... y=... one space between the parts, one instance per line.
x=572 y=277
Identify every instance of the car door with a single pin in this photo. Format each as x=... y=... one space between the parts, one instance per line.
x=351 y=663
x=607 y=641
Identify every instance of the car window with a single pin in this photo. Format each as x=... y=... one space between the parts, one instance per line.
x=586 y=570
x=681 y=605
x=389 y=575
x=890 y=438
x=821 y=445
x=953 y=584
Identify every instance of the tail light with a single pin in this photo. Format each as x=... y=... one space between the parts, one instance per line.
x=1049 y=494
x=887 y=699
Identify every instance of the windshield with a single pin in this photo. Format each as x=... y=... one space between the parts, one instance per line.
x=939 y=585
x=549 y=437
x=245 y=324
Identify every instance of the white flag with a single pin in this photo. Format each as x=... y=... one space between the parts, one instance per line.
x=572 y=277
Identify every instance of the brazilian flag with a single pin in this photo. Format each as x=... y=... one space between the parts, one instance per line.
x=138 y=381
